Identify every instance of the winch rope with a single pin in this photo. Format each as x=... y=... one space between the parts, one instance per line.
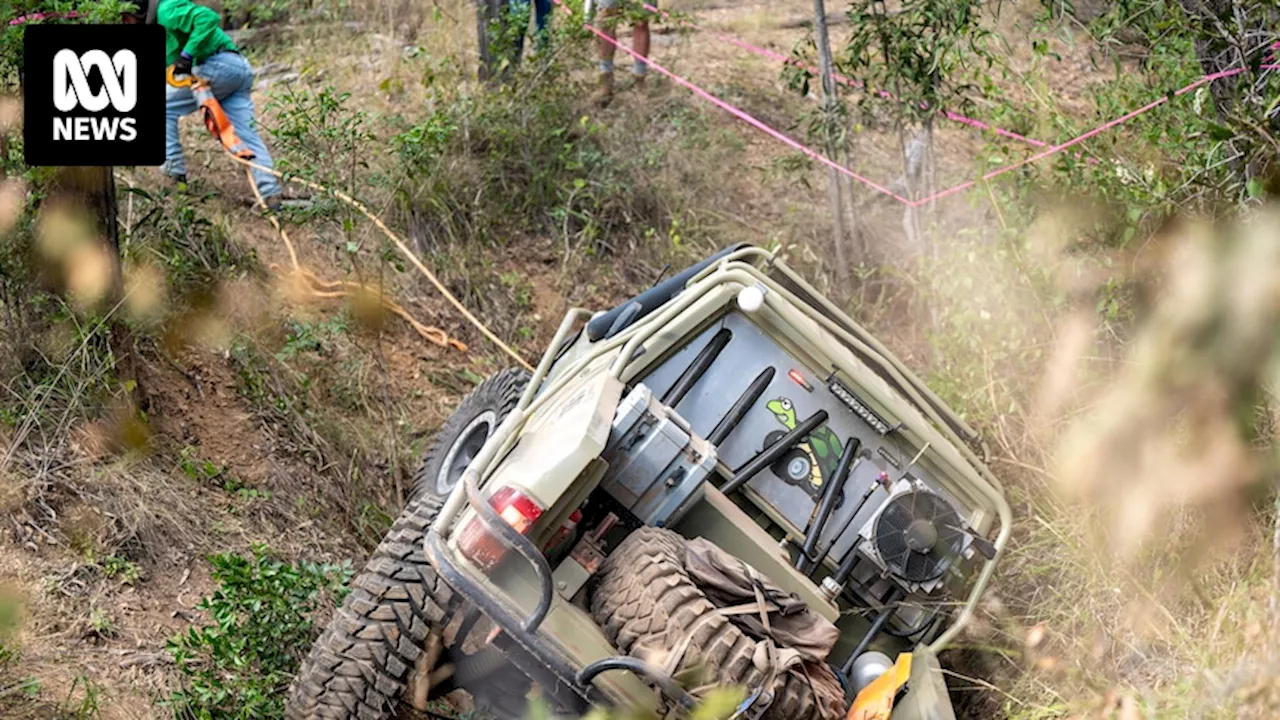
x=334 y=288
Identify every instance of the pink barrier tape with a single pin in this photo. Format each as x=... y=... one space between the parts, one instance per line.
x=779 y=57
x=35 y=17
x=747 y=118
x=1074 y=141
x=1048 y=150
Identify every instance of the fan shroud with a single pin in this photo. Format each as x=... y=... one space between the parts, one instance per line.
x=916 y=535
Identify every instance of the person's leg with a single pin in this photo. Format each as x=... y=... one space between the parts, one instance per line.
x=518 y=20
x=231 y=78
x=178 y=102
x=608 y=25
x=542 y=20
x=640 y=43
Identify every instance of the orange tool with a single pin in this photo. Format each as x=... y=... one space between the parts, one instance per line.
x=875 y=702
x=214 y=117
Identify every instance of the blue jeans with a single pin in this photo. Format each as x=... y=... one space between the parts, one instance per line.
x=231 y=79
x=541 y=17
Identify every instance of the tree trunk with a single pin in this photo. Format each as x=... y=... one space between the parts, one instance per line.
x=487 y=11
x=94 y=188
x=829 y=98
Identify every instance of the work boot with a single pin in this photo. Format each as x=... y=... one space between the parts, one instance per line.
x=604 y=94
x=638 y=82
x=278 y=202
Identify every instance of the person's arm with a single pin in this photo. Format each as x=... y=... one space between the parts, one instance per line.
x=197 y=22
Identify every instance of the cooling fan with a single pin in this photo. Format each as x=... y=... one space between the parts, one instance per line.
x=917 y=534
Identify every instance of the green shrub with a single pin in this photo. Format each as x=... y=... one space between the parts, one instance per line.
x=239 y=664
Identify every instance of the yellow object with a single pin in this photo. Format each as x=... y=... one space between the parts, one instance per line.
x=875 y=702
x=178 y=82
x=215 y=119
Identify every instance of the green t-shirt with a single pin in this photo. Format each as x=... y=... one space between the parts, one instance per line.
x=192 y=28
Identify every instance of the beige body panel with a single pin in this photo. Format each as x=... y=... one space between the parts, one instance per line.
x=559 y=440
x=571 y=631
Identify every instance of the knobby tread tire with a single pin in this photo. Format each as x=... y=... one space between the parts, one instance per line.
x=359 y=666
x=646 y=602
x=500 y=393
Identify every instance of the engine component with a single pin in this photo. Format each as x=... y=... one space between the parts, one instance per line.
x=867 y=667
x=587 y=557
x=915 y=535
x=882 y=619
x=657 y=466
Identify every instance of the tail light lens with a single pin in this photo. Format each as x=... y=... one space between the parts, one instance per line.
x=516 y=509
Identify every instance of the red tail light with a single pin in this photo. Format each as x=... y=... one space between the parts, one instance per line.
x=564 y=534
x=486 y=549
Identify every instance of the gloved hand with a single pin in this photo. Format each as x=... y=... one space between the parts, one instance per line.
x=182 y=66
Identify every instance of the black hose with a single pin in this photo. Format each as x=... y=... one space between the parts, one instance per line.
x=830 y=494
x=886 y=612
x=744 y=403
x=846 y=569
x=697 y=368
x=846 y=566
x=766 y=457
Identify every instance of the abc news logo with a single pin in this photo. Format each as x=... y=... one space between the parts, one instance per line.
x=71 y=91
x=94 y=94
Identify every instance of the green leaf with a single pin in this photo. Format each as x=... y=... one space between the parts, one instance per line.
x=1255 y=188
x=1220 y=132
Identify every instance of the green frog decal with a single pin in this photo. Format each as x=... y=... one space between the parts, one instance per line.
x=816 y=458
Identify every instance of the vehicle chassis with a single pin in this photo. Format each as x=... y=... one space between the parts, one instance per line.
x=574 y=685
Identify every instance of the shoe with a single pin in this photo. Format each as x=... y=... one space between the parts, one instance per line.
x=604 y=93
x=638 y=82
x=278 y=202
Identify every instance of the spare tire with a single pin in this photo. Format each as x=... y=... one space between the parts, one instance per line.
x=645 y=600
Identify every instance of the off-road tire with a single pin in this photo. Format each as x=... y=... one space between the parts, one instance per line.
x=359 y=665
x=498 y=395
x=645 y=600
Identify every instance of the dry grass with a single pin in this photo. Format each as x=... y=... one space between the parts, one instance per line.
x=1139 y=579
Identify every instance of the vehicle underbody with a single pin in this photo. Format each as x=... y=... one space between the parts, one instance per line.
x=724 y=481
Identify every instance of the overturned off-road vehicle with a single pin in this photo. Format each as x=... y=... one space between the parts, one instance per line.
x=723 y=481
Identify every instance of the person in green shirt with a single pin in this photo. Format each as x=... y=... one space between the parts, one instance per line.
x=196 y=43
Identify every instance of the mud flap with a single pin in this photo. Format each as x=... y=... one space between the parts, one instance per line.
x=913 y=689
